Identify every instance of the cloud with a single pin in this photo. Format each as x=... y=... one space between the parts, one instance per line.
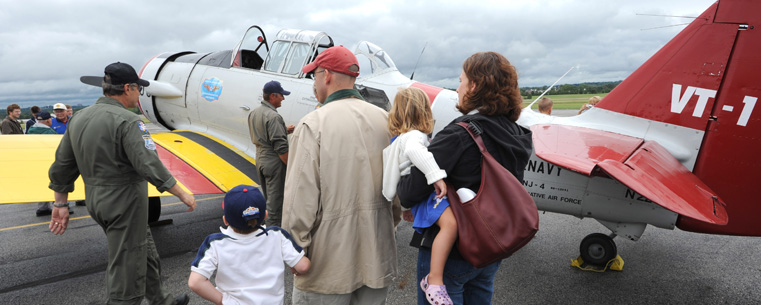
x=47 y=45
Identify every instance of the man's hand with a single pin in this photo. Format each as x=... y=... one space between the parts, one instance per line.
x=59 y=220
x=184 y=196
x=190 y=201
x=290 y=129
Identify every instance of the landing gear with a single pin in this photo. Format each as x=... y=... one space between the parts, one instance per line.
x=154 y=212
x=154 y=208
x=598 y=249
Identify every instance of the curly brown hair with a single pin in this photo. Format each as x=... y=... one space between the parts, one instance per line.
x=496 y=86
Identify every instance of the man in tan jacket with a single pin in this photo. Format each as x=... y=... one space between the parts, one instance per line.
x=333 y=204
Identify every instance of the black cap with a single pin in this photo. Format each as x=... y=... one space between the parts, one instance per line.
x=122 y=73
x=43 y=115
x=274 y=87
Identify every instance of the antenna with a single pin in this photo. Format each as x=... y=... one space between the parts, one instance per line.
x=418 y=61
x=548 y=89
x=665 y=26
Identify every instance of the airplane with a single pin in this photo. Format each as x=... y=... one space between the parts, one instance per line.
x=672 y=146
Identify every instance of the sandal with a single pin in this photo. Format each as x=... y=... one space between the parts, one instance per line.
x=435 y=294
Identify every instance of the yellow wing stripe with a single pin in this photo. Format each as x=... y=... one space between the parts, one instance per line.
x=211 y=157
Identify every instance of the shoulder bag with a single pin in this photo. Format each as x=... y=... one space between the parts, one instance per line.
x=499 y=220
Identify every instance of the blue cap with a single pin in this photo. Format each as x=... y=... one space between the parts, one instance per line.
x=243 y=203
x=274 y=87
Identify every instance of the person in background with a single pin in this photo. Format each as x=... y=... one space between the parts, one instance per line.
x=10 y=124
x=69 y=111
x=489 y=98
x=269 y=134
x=35 y=110
x=114 y=152
x=42 y=126
x=592 y=102
x=545 y=105
x=246 y=257
x=61 y=119
x=333 y=204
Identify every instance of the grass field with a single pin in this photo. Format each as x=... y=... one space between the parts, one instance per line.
x=565 y=101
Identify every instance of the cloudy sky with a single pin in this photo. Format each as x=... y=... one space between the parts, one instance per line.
x=46 y=45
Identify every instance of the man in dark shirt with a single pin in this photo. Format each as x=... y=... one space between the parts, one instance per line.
x=10 y=124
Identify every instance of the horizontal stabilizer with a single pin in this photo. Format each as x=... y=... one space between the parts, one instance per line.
x=580 y=149
x=645 y=167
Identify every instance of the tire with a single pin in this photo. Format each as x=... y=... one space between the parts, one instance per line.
x=597 y=249
x=154 y=209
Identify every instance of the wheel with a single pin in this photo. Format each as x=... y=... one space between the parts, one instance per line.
x=154 y=209
x=598 y=249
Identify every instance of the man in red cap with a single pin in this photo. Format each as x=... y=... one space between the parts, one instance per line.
x=333 y=203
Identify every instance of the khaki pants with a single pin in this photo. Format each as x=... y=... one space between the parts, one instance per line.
x=134 y=269
x=362 y=296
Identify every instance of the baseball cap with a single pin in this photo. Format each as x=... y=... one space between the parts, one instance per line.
x=243 y=203
x=58 y=106
x=43 y=115
x=122 y=73
x=338 y=59
x=274 y=87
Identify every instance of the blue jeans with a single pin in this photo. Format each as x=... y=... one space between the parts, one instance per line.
x=465 y=284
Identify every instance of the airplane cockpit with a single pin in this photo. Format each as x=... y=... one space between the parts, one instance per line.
x=372 y=59
x=293 y=49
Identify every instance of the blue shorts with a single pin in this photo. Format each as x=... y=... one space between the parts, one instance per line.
x=428 y=212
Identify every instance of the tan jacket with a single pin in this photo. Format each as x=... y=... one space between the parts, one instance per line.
x=333 y=204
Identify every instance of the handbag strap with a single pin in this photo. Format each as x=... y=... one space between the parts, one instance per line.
x=476 y=137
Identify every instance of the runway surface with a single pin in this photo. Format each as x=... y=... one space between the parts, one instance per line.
x=664 y=267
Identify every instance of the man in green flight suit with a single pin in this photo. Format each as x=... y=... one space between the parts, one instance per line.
x=113 y=151
x=270 y=135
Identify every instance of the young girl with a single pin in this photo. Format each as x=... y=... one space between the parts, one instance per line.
x=409 y=121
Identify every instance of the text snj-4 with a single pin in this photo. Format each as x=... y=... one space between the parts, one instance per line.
x=679 y=101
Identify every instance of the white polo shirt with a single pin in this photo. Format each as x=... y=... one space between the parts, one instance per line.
x=249 y=267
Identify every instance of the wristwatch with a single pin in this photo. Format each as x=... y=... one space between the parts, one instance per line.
x=61 y=205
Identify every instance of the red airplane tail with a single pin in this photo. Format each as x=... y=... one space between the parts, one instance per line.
x=707 y=79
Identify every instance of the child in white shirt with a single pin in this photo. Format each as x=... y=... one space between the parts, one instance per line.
x=247 y=257
x=410 y=120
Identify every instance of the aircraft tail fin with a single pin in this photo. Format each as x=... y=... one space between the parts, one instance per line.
x=705 y=80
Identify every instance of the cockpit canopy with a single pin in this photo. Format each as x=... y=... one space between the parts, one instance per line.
x=295 y=48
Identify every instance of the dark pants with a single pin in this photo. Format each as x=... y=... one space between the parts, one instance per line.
x=134 y=269
x=272 y=179
x=465 y=284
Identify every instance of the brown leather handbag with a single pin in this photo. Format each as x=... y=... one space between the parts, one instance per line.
x=500 y=220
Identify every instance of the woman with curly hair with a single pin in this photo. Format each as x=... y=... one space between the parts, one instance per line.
x=490 y=102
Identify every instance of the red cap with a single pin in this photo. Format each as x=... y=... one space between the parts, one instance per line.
x=337 y=59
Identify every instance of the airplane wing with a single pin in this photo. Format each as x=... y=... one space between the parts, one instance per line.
x=645 y=167
x=201 y=163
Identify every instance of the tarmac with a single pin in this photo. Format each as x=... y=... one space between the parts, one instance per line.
x=663 y=267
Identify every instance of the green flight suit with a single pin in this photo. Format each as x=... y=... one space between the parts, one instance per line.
x=112 y=150
x=269 y=134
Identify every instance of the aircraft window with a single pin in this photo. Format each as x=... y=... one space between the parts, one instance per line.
x=276 y=56
x=373 y=58
x=296 y=58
